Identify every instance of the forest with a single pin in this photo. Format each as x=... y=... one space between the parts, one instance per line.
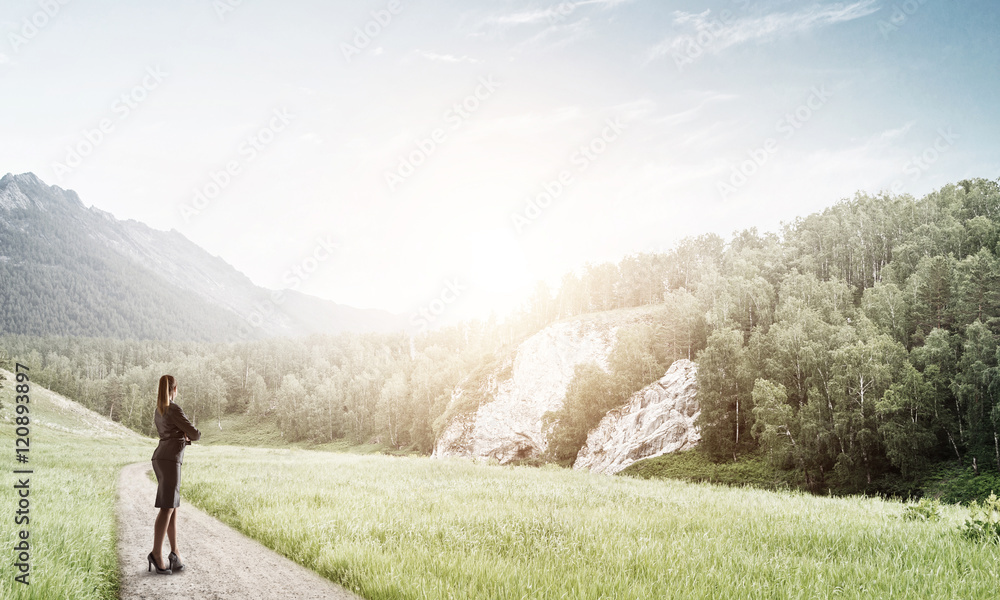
x=856 y=344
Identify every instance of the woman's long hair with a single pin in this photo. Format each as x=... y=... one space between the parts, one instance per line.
x=167 y=385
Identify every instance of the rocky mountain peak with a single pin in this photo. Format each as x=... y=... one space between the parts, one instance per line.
x=26 y=191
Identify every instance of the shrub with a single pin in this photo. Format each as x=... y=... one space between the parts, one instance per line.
x=953 y=484
x=925 y=510
x=697 y=467
x=983 y=524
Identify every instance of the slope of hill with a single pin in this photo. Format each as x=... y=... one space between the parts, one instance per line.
x=59 y=413
x=69 y=270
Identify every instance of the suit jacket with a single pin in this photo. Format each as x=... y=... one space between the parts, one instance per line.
x=173 y=425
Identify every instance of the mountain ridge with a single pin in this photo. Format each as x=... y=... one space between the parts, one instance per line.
x=47 y=227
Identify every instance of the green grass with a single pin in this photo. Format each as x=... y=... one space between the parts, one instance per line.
x=241 y=430
x=411 y=527
x=419 y=528
x=262 y=432
x=76 y=456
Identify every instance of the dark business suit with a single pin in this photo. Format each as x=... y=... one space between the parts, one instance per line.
x=172 y=426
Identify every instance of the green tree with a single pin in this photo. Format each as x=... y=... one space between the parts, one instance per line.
x=590 y=395
x=906 y=414
x=931 y=287
x=885 y=304
x=978 y=288
x=863 y=371
x=775 y=423
x=937 y=361
x=724 y=393
x=975 y=387
x=592 y=392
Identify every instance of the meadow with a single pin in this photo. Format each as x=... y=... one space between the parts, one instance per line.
x=409 y=527
x=77 y=456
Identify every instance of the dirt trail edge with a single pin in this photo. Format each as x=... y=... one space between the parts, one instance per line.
x=219 y=562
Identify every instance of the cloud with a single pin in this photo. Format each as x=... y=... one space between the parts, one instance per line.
x=528 y=17
x=558 y=35
x=690 y=114
x=551 y=16
x=447 y=58
x=4 y=59
x=714 y=34
x=891 y=134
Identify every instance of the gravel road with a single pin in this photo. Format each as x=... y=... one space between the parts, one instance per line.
x=219 y=562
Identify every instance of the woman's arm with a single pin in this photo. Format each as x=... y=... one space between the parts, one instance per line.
x=181 y=421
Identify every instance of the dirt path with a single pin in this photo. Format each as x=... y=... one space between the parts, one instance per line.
x=219 y=562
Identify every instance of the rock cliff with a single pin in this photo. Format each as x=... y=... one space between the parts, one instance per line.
x=657 y=419
x=507 y=425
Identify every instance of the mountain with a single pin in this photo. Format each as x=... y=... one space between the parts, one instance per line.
x=70 y=270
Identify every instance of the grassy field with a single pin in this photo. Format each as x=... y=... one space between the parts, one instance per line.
x=76 y=456
x=409 y=527
x=419 y=528
x=262 y=432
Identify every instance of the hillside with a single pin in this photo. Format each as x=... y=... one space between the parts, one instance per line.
x=70 y=270
x=61 y=415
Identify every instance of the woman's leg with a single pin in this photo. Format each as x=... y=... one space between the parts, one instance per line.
x=172 y=535
x=163 y=518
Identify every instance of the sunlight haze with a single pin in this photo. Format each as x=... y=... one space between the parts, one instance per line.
x=467 y=150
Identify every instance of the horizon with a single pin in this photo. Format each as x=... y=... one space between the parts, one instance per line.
x=630 y=125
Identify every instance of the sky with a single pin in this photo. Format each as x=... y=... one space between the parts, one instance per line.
x=406 y=154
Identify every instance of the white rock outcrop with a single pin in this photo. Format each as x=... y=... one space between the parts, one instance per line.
x=657 y=419
x=508 y=425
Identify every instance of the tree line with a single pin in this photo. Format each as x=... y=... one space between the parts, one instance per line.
x=862 y=343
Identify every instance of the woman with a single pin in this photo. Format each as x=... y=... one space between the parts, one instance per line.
x=175 y=433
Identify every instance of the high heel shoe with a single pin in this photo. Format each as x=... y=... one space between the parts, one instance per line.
x=153 y=563
x=175 y=562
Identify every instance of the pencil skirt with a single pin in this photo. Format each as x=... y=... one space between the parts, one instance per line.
x=168 y=483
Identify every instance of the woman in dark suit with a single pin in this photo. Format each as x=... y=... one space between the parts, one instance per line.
x=175 y=432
